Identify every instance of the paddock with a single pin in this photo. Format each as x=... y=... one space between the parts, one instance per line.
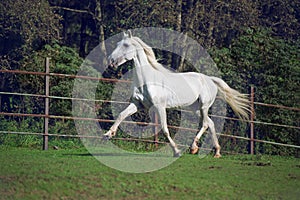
x=71 y=173
x=75 y=174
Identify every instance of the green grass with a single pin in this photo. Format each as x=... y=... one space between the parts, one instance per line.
x=74 y=174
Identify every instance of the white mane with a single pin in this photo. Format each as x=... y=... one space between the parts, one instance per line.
x=151 y=56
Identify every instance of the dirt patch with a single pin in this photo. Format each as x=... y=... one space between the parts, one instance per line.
x=214 y=167
x=292 y=176
x=7 y=179
x=260 y=164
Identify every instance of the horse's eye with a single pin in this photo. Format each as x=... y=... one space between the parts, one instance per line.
x=126 y=45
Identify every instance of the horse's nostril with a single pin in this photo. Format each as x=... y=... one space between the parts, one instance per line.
x=111 y=61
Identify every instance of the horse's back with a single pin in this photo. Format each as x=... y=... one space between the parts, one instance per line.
x=207 y=89
x=191 y=86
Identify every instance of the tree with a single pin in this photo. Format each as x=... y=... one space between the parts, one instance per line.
x=91 y=20
x=25 y=25
x=272 y=66
x=213 y=23
x=281 y=16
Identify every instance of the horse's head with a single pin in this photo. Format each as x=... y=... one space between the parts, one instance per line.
x=124 y=51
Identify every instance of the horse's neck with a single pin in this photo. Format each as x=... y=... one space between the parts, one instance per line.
x=143 y=69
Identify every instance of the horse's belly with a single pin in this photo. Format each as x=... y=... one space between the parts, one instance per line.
x=174 y=92
x=176 y=101
x=181 y=96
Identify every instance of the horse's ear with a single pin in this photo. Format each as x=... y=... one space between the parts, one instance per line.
x=129 y=33
x=125 y=34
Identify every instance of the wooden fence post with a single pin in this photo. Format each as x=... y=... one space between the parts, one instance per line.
x=46 y=118
x=252 y=122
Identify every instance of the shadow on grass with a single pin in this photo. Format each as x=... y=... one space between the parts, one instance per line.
x=120 y=155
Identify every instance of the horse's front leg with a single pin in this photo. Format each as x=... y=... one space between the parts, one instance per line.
x=161 y=111
x=131 y=109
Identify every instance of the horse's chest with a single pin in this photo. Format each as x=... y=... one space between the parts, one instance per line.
x=141 y=96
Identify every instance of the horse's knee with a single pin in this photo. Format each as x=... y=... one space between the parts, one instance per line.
x=205 y=126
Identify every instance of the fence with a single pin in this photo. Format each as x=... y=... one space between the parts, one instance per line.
x=47 y=74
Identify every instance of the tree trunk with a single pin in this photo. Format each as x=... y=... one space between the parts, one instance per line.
x=210 y=36
x=100 y=26
x=175 y=58
x=192 y=16
x=83 y=50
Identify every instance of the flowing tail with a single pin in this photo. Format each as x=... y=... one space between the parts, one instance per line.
x=239 y=103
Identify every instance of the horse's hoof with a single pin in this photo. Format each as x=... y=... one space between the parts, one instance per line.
x=217 y=156
x=194 y=150
x=105 y=137
x=177 y=155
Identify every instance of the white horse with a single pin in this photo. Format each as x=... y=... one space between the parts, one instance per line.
x=156 y=86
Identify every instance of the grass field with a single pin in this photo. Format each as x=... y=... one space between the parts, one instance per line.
x=74 y=174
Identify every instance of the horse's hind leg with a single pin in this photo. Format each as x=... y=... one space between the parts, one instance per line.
x=131 y=109
x=207 y=123
x=161 y=111
x=194 y=147
x=215 y=138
